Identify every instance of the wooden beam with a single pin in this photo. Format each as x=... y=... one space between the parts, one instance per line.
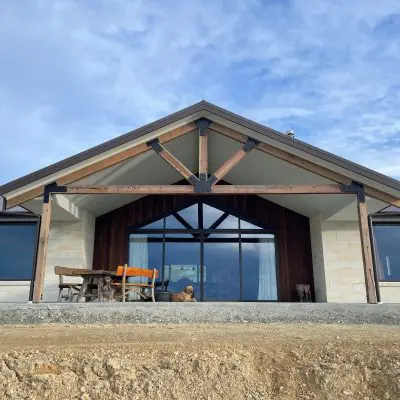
x=283 y=155
x=228 y=165
x=366 y=249
x=305 y=164
x=102 y=164
x=218 y=189
x=377 y=194
x=203 y=156
x=131 y=189
x=172 y=160
x=42 y=250
x=277 y=189
x=234 y=160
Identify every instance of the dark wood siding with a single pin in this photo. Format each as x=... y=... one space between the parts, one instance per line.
x=292 y=232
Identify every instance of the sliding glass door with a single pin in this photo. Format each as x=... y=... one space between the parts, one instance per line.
x=223 y=257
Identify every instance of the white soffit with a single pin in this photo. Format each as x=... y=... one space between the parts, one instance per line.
x=255 y=168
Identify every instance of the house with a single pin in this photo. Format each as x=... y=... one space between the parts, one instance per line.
x=238 y=210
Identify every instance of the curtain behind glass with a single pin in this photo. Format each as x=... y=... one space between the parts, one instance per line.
x=267 y=287
x=138 y=257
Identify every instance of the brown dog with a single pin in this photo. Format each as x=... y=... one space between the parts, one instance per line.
x=186 y=295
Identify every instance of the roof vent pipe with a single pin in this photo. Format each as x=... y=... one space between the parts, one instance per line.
x=290 y=133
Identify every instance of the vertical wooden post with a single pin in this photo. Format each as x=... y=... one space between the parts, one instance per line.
x=366 y=247
x=42 y=249
x=203 y=156
x=203 y=123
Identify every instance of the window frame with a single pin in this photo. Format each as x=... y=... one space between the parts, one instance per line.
x=201 y=234
x=380 y=219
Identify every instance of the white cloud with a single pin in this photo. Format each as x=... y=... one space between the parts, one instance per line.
x=80 y=73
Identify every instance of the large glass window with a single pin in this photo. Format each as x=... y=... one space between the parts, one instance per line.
x=387 y=251
x=17 y=250
x=223 y=257
x=182 y=266
x=223 y=274
x=259 y=267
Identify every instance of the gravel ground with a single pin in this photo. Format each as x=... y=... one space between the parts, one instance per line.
x=212 y=361
x=78 y=313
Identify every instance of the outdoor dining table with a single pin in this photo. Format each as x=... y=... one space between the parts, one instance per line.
x=96 y=279
x=96 y=283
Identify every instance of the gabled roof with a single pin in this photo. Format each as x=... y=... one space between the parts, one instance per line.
x=186 y=112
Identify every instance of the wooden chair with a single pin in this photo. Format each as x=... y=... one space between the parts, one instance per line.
x=126 y=287
x=71 y=287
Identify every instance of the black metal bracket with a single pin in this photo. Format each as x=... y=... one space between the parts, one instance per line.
x=212 y=179
x=250 y=144
x=203 y=186
x=203 y=176
x=355 y=188
x=193 y=179
x=155 y=145
x=52 y=188
x=203 y=124
x=200 y=185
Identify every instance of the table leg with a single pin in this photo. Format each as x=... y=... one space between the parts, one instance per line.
x=100 y=284
x=82 y=290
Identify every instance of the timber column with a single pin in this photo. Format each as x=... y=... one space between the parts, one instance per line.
x=366 y=246
x=42 y=246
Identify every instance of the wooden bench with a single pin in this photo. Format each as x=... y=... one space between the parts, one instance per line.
x=72 y=288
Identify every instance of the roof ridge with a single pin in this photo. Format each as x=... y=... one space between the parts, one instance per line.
x=185 y=112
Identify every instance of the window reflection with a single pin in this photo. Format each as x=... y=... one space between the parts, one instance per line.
x=210 y=215
x=17 y=250
x=223 y=274
x=172 y=223
x=387 y=242
x=159 y=224
x=191 y=215
x=182 y=266
x=248 y=225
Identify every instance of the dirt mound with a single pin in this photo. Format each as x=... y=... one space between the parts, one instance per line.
x=202 y=362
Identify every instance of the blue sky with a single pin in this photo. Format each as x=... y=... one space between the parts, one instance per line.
x=76 y=73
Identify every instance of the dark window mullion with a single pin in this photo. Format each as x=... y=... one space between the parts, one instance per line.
x=218 y=222
x=200 y=215
x=163 y=253
x=182 y=221
x=240 y=264
x=201 y=227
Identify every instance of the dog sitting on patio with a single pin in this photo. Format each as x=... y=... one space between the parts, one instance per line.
x=186 y=295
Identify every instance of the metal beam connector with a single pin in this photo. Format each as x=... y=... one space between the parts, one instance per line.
x=155 y=145
x=52 y=188
x=203 y=124
x=250 y=144
x=356 y=188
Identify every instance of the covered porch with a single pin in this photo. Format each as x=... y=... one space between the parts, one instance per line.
x=241 y=215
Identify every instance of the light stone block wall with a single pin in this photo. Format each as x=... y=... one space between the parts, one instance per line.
x=390 y=292
x=70 y=245
x=344 y=271
x=14 y=291
x=317 y=252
